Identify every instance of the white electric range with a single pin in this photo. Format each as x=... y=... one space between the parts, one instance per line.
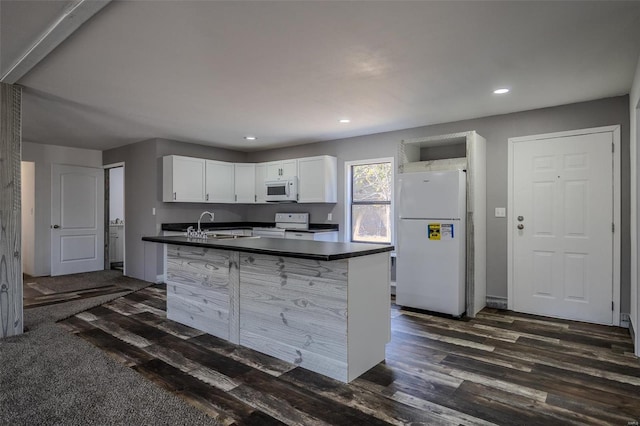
x=284 y=222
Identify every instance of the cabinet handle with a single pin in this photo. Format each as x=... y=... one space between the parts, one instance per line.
x=207 y=197
x=174 y=196
x=236 y=197
x=255 y=198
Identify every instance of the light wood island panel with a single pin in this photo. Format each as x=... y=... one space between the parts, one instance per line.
x=198 y=288
x=331 y=317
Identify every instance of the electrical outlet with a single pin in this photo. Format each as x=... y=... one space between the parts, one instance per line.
x=501 y=212
x=330 y=216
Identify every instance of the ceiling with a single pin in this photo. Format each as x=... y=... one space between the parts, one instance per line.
x=287 y=71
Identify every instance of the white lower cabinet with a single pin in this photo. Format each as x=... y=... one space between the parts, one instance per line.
x=116 y=243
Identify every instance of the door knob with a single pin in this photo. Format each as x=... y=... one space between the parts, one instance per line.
x=55 y=226
x=520 y=226
x=520 y=218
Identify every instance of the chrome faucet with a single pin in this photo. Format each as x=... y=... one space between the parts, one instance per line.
x=199 y=232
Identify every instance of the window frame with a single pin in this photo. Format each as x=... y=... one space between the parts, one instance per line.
x=348 y=204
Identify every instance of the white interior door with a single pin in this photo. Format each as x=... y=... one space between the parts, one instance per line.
x=562 y=227
x=77 y=219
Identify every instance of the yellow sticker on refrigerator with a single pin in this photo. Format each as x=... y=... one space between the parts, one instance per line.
x=434 y=231
x=441 y=231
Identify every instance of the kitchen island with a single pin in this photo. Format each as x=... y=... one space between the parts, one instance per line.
x=320 y=305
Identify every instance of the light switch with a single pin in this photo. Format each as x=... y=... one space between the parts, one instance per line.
x=330 y=216
x=153 y=211
x=501 y=212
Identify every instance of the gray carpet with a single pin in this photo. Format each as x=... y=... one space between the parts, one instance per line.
x=50 y=377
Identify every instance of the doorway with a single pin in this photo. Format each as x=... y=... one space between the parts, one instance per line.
x=115 y=217
x=564 y=205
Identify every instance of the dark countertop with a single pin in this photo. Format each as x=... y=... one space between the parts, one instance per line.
x=182 y=227
x=304 y=249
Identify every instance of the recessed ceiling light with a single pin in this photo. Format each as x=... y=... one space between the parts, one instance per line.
x=501 y=91
x=250 y=138
x=345 y=121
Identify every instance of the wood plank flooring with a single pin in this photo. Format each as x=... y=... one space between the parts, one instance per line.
x=44 y=291
x=499 y=368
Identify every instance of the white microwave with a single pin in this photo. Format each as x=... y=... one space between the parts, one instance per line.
x=283 y=190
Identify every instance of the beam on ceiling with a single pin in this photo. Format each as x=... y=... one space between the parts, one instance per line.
x=77 y=13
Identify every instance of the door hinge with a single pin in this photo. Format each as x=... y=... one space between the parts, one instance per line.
x=613 y=147
x=613 y=227
x=612 y=305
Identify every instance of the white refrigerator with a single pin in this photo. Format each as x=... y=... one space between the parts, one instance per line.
x=431 y=253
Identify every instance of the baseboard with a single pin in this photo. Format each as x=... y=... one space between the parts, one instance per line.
x=393 y=288
x=160 y=279
x=632 y=332
x=497 y=302
x=624 y=320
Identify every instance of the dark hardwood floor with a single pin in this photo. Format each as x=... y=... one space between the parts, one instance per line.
x=500 y=368
x=44 y=291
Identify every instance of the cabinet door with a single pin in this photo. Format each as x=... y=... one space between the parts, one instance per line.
x=245 y=183
x=273 y=170
x=326 y=236
x=261 y=176
x=292 y=235
x=289 y=167
x=219 y=187
x=277 y=170
x=120 y=244
x=183 y=179
x=113 y=242
x=317 y=179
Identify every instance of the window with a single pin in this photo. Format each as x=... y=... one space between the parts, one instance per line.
x=370 y=195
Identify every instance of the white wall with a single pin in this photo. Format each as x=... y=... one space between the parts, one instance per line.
x=43 y=156
x=634 y=142
x=28 y=189
x=116 y=193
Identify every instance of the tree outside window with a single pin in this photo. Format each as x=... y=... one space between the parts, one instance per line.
x=371 y=191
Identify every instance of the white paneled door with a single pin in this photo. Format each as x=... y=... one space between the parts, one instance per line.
x=562 y=219
x=77 y=219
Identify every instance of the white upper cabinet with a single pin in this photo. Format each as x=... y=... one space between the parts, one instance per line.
x=196 y=180
x=318 y=179
x=245 y=183
x=277 y=170
x=261 y=176
x=219 y=182
x=183 y=179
